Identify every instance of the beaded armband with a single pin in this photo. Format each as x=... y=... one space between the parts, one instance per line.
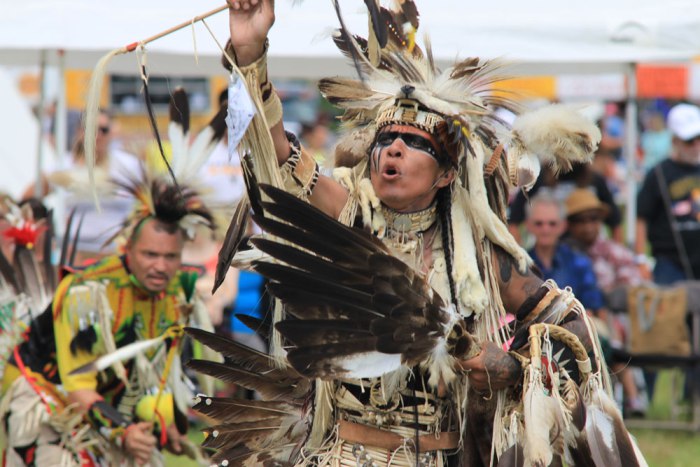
x=549 y=304
x=300 y=172
x=541 y=333
x=108 y=422
x=549 y=300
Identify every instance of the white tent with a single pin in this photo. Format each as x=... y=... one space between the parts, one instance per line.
x=544 y=36
x=18 y=144
x=547 y=36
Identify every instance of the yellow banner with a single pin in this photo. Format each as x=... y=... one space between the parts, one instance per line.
x=77 y=83
x=527 y=88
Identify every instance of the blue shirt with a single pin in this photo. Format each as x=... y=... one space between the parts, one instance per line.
x=248 y=300
x=574 y=270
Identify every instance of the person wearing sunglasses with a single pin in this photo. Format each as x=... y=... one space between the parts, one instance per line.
x=425 y=181
x=69 y=178
x=668 y=203
x=546 y=222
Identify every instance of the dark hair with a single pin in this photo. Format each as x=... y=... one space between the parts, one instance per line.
x=444 y=206
x=39 y=210
x=223 y=97
x=159 y=225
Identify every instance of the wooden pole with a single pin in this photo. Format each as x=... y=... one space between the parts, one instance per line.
x=131 y=47
x=38 y=185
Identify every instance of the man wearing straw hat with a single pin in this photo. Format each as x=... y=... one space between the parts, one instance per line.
x=615 y=267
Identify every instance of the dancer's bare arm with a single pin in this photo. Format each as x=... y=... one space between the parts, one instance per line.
x=249 y=22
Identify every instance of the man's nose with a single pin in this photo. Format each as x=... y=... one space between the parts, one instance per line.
x=160 y=264
x=397 y=148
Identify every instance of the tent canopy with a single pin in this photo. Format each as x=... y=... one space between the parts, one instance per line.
x=546 y=36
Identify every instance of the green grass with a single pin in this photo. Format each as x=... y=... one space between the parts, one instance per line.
x=662 y=448
x=196 y=436
x=667 y=448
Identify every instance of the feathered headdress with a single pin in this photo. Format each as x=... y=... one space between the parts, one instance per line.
x=27 y=272
x=160 y=198
x=173 y=198
x=400 y=83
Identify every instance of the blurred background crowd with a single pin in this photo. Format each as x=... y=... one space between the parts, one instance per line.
x=630 y=218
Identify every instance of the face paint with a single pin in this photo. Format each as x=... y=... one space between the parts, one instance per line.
x=375 y=157
x=413 y=141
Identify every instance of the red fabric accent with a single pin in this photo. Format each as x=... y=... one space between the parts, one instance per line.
x=86 y=460
x=163 y=429
x=89 y=262
x=547 y=366
x=25 y=235
x=30 y=380
x=29 y=459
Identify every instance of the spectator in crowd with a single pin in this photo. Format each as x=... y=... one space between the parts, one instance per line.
x=560 y=187
x=655 y=141
x=613 y=129
x=668 y=203
x=316 y=138
x=71 y=180
x=546 y=221
x=614 y=266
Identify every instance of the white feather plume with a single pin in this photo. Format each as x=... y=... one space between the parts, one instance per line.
x=123 y=353
x=542 y=420
x=527 y=171
x=557 y=134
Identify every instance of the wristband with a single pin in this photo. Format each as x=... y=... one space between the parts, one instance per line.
x=300 y=173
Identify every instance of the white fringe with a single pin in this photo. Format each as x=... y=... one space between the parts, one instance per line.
x=92 y=108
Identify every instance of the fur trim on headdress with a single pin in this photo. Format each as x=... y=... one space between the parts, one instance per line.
x=400 y=83
x=556 y=135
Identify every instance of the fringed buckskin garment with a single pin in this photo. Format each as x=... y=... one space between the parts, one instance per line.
x=378 y=310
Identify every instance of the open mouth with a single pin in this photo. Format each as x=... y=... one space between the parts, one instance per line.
x=390 y=172
x=157 y=279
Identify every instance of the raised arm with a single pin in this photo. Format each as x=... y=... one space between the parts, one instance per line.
x=249 y=23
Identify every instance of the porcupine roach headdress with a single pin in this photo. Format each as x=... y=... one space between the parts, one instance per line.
x=399 y=83
x=160 y=198
x=175 y=201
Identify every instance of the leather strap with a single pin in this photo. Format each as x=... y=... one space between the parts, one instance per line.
x=352 y=432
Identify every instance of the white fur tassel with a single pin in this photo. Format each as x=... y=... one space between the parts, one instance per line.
x=370 y=205
x=470 y=288
x=493 y=227
x=542 y=419
x=92 y=108
x=558 y=134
